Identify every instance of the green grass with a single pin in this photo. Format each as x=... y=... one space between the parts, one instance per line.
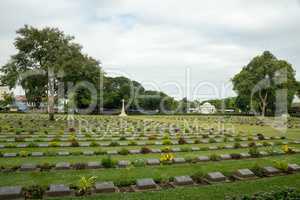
x=75 y=159
x=12 y=123
x=116 y=175
x=210 y=192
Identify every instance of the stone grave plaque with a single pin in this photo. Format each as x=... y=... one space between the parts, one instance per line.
x=183 y=180
x=105 y=187
x=153 y=161
x=11 y=193
x=144 y=184
x=216 y=177
x=58 y=190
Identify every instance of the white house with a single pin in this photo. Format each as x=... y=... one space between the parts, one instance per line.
x=207 y=108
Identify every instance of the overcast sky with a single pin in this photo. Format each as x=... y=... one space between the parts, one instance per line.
x=166 y=44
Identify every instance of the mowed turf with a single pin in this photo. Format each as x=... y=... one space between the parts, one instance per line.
x=131 y=174
x=209 y=192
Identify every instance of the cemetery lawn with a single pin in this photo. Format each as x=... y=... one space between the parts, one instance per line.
x=130 y=175
x=213 y=136
x=210 y=192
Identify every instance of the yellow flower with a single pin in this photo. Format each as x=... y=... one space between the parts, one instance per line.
x=285 y=148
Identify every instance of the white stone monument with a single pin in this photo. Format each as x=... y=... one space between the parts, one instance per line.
x=123 y=113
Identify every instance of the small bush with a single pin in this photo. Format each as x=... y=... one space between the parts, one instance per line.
x=253 y=151
x=45 y=167
x=282 y=165
x=114 y=144
x=181 y=141
x=152 y=137
x=212 y=140
x=260 y=136
x=124 y=152
x=145 y=150
x=204 y=148
x=166 y=149
x=79 y=166
x=139 y=163
x=108 y=162
x=100 y=152
x=76 y=153
x=94 y=144
x=284 y=194
x=237 y=145
x=23 y=154
x=198 y=177
x=85 y=185
x=167 y=142
x=54 y=144
x=31 y=144
x=258 y=170
x=266 y=144
x=132 y=143
x=74 y=143
x=34 y=192
x=122 y=138
x=214 y=157
x=235 y=156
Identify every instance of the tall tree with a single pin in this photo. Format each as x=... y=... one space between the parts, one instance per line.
x=50 y=53
x=259 y=81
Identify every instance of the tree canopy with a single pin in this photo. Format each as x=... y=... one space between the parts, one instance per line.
x=48 y=61
x=263 y=80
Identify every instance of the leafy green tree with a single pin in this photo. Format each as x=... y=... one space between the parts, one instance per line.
x=50 y=53
x=261 y=78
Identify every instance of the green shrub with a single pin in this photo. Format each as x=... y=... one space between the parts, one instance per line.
x=124 y=152
x=258 y=170
x=204 y=148
x=108 y=162
x=212 y=140
x=79 y=166
x=281 y=165
x=279 y=193
x=50 y=153
x=198 y=177
x=32 y=144
x=34 y=192
x=45 y=166
x=85 y=185
x=10 y=146
x=122 y=138
x=76 y=153
x=23 y=154
x=167 y=142
x=54 y=144
x=94 y=144
x=139 y=163
x=254 y=152
x=214 y=157
x=74 y=143
x=145 y=150
x=235 y=156
x=114 y=144
x=181 y=140
x=100 y=152
x=132 y=143
x=266 y=144
x=237 y=145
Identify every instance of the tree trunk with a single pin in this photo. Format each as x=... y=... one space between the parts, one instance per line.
x=263 y=109
x=263 y=104
x=51 y=94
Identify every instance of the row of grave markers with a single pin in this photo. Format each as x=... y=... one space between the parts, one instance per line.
x=56 y=190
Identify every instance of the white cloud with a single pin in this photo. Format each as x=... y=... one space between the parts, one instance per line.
x=157 y=40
